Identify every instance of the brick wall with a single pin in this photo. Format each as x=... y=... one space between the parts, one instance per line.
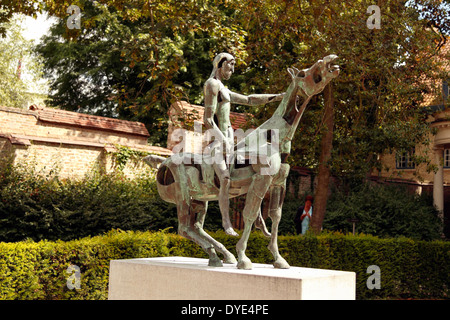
x=65 y=160
x=69 y=143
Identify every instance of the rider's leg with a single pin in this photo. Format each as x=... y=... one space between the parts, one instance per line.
x=222 y=172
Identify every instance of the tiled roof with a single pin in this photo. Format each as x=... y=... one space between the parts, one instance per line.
x=57 y=116
x=194 y=112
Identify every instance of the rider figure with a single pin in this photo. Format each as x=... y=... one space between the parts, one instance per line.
x=218 y=101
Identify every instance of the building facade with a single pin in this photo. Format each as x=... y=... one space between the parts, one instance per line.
x=400 y=166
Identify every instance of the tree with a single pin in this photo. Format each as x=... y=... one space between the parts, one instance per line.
x=16 y=56
x=378 y=95
x=84 y=66
x=135 y=65
x=324 y=172
x=384 y=210
x=434 y=12
x=380 y=90
x=9 y=8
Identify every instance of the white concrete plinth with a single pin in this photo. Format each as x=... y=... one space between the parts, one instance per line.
x=180 y=278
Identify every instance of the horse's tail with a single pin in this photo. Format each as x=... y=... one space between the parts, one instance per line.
x=153 y=160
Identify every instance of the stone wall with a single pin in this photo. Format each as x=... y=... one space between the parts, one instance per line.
x=68 y=143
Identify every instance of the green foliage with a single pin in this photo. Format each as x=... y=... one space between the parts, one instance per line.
x=400 y=261
x=42 y=266
x=17 y=261
x=83 y=73
x=134 y=59
x=125 y=154
x=409 y=269
x=47 y=207
x=133 y=62
x=384 y=211
x=378 y=95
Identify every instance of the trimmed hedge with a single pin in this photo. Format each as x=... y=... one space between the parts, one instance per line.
x=409 y=269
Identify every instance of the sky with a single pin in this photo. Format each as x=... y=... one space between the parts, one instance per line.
x=36 y=28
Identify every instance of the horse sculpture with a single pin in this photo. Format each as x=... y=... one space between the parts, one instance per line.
x=191 y=184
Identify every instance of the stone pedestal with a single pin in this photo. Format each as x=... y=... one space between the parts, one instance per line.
x=180 y=278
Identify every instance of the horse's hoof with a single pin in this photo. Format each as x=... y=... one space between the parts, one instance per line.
x=266 y=233
x=230 y=231
x=263 y=229
x=245 y=264
x=281 y=264
x=215 y=262
x=229 y=259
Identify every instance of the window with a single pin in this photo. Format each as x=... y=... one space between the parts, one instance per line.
x=404 y=160
x=446 y=158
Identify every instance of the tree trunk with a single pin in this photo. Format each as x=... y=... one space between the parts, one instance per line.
x=323 y=177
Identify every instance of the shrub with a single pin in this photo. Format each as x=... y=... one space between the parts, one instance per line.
x=409 y=268
x=47 y=207
x=385 y=211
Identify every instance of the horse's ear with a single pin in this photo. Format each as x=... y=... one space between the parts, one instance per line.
x=292 y=72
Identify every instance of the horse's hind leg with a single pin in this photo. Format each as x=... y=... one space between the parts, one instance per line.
x=277 y=192
x=201 y=208
x=256 y=192
x=186 y=228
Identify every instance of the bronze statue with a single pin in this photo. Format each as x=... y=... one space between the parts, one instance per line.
x=218 y=101
x=190 y=185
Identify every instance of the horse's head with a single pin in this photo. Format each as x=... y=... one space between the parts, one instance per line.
x=313 y=80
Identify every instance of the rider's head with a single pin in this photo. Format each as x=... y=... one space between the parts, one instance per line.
x=223 y=66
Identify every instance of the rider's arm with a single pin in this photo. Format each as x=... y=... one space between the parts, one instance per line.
x=255 y=99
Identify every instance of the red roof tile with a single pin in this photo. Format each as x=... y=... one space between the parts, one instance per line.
x=70 y=118
x=195 y=112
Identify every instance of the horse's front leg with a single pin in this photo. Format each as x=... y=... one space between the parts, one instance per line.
x=277 y=192
x=256 y=192
x=201 y=208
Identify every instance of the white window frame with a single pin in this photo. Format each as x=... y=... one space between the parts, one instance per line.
x=403 y=160
x=446 y=158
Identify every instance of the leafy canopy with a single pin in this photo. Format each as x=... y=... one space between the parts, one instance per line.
x=133 y=59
